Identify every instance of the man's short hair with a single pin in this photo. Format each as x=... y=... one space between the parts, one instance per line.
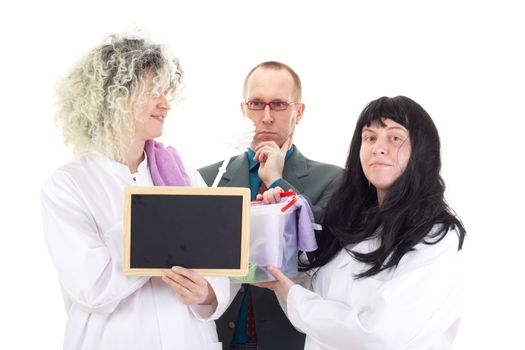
x=277 y=66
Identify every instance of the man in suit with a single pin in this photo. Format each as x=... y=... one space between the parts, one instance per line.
x=272 y=101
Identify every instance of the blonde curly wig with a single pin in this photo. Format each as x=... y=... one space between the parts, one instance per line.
x=96 y=100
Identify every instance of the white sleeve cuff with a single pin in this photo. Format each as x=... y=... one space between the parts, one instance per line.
x=221 y=287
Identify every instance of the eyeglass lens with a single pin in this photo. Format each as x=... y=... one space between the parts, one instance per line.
x=274 y=105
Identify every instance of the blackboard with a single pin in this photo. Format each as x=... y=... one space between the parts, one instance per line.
x=203 y=229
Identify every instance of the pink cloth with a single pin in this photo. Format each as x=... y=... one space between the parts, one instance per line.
x=165 y=165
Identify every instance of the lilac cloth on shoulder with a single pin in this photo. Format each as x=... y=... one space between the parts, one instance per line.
x=165 y=165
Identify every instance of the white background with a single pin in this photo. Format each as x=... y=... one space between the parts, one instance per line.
x=461 y=60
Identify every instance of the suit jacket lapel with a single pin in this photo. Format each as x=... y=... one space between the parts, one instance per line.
x=295 y=169
x=237 y=174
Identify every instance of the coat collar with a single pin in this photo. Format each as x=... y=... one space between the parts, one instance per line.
x=237 y=174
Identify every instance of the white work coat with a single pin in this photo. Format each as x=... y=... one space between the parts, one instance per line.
x=413 y=306
x=82 y=205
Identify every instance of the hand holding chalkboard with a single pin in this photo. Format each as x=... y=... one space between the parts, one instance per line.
x=191 y=287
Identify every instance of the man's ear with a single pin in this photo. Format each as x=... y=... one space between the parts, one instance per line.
x=300 y=111
x=242 y=109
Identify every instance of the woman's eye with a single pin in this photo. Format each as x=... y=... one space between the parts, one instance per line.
x=369 y=138
x=397 y=138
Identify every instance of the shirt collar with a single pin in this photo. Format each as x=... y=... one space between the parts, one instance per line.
x=115 y=167
x=252 y=164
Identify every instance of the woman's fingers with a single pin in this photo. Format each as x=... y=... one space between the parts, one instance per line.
x=282 y=287
x=190 y=286
x=277 y=274
x=191 y=277
x=181 y=280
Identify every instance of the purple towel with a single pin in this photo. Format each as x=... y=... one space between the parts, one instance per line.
x=165 y=165
x=305 y=226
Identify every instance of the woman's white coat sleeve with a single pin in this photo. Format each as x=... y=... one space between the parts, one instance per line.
x=89 y=262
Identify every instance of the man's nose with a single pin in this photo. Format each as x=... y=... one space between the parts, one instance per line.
x=267 y=117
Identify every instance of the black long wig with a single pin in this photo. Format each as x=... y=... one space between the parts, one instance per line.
x=413 y=206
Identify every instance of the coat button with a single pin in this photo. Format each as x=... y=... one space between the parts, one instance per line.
x=231 y=325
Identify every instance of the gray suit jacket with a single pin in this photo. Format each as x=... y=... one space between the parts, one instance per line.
x=315 y=181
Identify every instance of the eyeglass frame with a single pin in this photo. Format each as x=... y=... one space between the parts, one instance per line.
x=288 y=103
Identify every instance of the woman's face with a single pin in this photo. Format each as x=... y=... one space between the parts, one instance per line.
x=384 y=154
x=149 y=118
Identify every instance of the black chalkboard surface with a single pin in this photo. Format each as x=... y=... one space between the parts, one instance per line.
x=204 y=229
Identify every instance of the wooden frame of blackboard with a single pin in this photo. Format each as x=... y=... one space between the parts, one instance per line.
x=219 y=198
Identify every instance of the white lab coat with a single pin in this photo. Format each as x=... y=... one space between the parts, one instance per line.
x=414 y=306
x=82 y=205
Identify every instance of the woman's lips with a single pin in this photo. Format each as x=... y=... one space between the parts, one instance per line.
x=379 y=165
x=160 y=118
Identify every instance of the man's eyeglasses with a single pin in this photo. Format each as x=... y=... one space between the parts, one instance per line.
x=274 y=105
